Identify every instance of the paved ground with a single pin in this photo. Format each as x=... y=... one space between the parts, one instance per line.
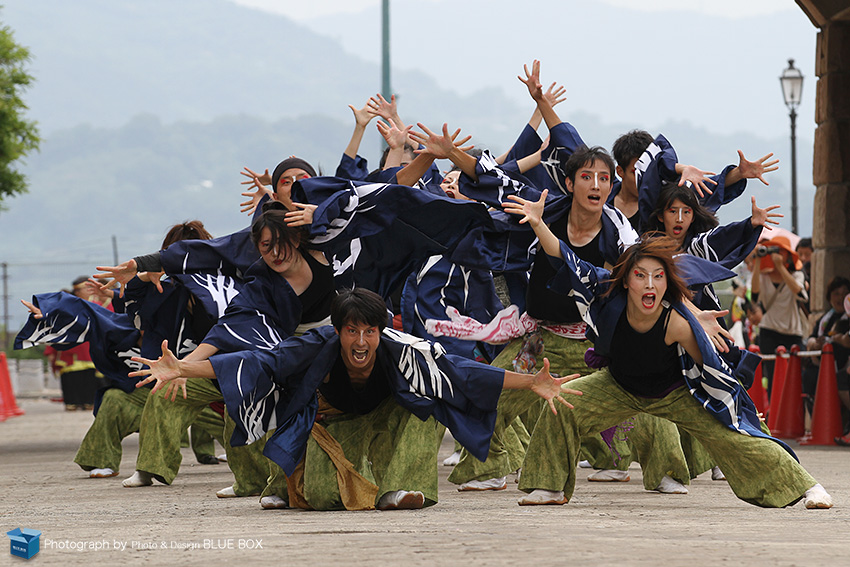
x=605 y=524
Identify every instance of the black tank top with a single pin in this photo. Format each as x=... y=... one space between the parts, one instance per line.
x=316 y=299
x=543 y=303
x=641 y=362
x=340 y=393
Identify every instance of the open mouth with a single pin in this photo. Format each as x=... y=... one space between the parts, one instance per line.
x=648 y=300
x=594 y=198
x=450 y=194
x=677 y=230
x=359 y=355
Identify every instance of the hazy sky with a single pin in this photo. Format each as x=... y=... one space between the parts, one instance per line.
x=714 y=64
x=305 y=11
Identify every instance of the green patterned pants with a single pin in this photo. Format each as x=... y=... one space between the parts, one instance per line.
x=120 y=415
x=759 y=470
x=518 y=407
x=390 y=447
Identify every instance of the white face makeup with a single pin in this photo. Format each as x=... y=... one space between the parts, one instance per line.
x=646 y=285
x=591 y=187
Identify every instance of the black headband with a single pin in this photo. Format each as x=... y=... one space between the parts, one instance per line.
x=290 y=163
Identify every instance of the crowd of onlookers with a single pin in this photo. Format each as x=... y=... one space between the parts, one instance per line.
x=773 y=309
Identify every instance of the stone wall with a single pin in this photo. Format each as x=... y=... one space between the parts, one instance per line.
x=831 y=168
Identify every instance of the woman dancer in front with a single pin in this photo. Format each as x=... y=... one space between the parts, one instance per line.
x=661 y=363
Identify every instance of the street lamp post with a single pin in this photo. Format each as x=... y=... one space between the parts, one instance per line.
x=792 y=90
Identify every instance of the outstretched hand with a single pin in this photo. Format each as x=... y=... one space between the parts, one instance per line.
x=531 y=211
x=380 y=106
x=763 y=217
x=92 y=289
x=165 y=370
x=302 y=215
x=439 y=146
x=264 y=179
x=121 y=274
x=555 y=94
x=362 y=116
x=550 y=388
x=715 y=332
x=756 y=169
x=395 y=137
x=255 y=196
x=532 y=81
x=35 y=311
x=697 y=178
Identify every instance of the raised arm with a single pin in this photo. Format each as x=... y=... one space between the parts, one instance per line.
x=789 y=279
x=763 y=217
x=535 y=89
x=265 y=178
x=751 y=169
x=255 y=196
x=696 y=177
x=446 y=146
x=395 y=137
x=532 y=213
x=362 y=117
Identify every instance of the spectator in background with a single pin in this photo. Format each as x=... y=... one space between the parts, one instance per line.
x=832 y=327
x=779 y=284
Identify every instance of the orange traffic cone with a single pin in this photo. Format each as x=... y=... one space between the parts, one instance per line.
x=780 y=365
x=757 y=391
x=790 y=415
x=826 y=415
x=8 y=405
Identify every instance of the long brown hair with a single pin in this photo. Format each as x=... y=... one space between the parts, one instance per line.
x=658 y=247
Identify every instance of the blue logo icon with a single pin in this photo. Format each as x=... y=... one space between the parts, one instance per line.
x=25 y=542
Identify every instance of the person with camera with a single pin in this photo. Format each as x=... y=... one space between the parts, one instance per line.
x=779 y=284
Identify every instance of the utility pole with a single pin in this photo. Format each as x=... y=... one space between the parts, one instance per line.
x=386 y=89
x=114 y=250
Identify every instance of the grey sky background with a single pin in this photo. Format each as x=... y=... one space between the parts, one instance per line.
x=642 y=62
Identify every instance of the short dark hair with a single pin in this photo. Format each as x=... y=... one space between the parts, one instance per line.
x=703 y=218
x=189 y=230
x=358 y=305
x=587 y=156
x=658 y=247
x=274 y=218
x=408 y=149
x=835 y=283
x=630 y=145
x=804 y=243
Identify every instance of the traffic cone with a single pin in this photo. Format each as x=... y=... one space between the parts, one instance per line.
x=8 y=405
x=780 y=365
x=757 y=391
x=790 y=415
x=826 y=415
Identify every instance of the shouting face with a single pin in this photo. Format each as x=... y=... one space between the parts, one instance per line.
x=646 y=285
x=358 y=347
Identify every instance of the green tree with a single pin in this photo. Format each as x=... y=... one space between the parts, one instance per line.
x=17 y=135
